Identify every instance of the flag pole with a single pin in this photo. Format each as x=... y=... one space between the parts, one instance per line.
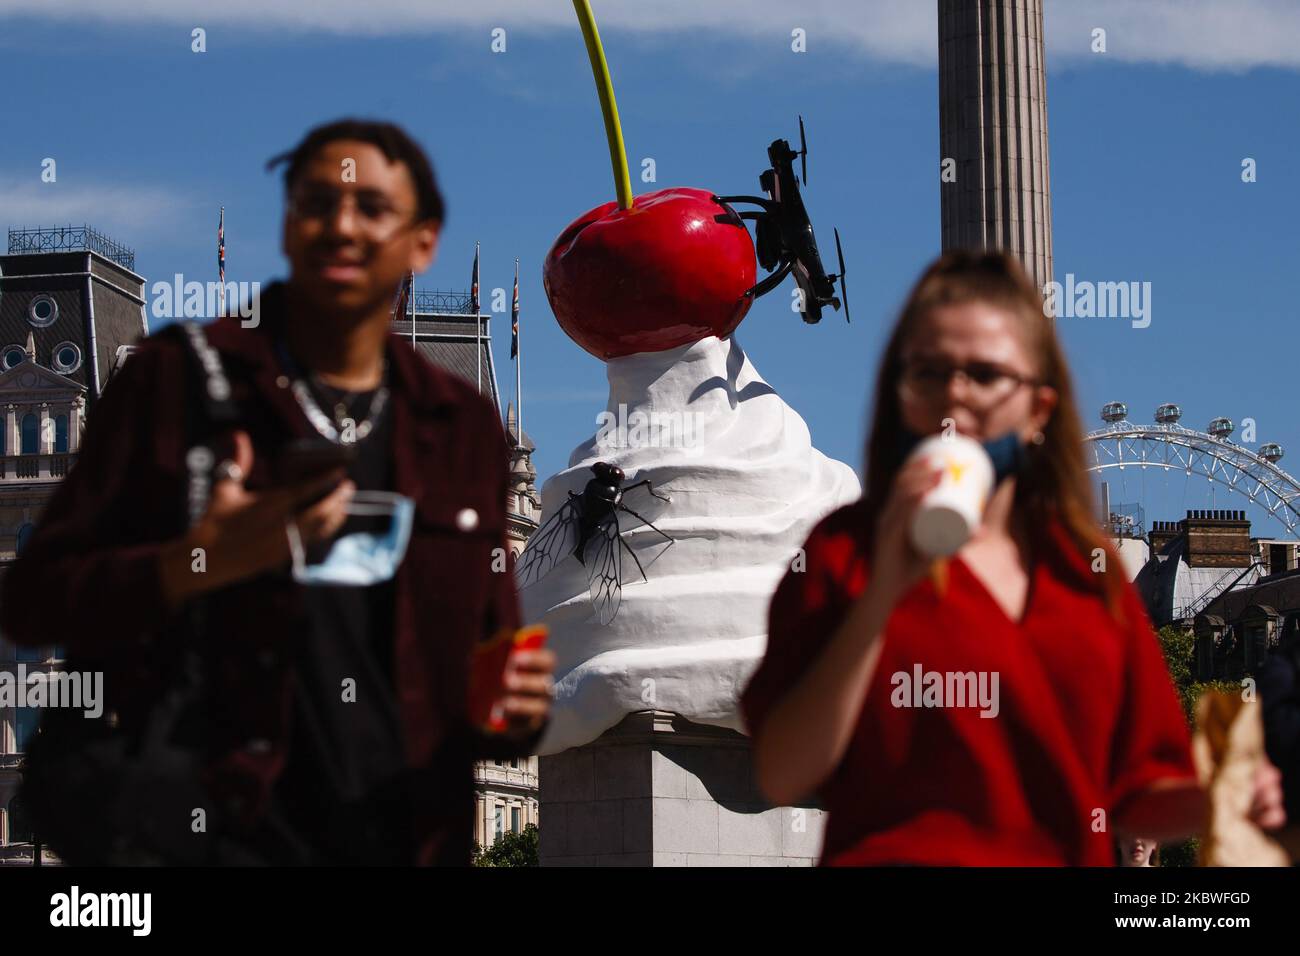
x=519 y=363
x=411 y=292
x=478 y=326
x=221 y=258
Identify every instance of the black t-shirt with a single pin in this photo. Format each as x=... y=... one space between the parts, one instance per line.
x=345 y=791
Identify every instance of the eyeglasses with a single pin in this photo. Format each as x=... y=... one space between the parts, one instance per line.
x=376 y=214
x=986 y=383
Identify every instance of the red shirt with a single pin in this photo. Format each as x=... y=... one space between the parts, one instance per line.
x=1086 y=714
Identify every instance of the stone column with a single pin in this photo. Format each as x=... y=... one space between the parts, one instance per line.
x=993 y=123
x=75 y=423
x=478 y=818
x=45 y=431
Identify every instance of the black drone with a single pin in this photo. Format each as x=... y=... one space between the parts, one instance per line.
x=785 y=234
x=587 y=526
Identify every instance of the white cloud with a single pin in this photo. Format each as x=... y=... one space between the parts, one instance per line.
x=892 y=29
x=114 y=208
x=1202 y=34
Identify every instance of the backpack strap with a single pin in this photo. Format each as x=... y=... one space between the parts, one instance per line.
x=209 y=406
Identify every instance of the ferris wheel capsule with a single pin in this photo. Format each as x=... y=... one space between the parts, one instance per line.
x=1168 y=414
x=1220 y=428
x=1271 y=452
x=1114 y=412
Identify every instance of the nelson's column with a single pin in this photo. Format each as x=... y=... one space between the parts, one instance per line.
x=993 y=126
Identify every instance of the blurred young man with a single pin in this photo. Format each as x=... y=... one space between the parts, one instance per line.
x=334 y=721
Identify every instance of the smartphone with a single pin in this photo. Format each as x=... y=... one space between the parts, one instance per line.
x=306 y=458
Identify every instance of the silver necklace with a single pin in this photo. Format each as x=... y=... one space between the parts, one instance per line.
x=335 y=430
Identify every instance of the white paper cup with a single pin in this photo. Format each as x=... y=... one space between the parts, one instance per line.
x=950 y=512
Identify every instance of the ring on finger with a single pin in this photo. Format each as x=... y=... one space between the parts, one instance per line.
x=229 y=469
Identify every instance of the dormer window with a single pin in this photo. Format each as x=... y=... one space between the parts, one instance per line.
x=67 y=358
x=42 y=311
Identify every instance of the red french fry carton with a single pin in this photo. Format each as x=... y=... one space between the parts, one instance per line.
x=488 y=672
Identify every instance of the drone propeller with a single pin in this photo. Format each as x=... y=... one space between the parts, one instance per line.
x=844 y=285
x=803 y=154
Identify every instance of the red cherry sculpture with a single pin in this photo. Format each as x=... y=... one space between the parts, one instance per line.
x=671 y=270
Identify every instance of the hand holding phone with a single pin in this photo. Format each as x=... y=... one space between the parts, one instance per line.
x=306 y=458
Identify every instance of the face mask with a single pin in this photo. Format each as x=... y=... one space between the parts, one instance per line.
x=1007 y=452
x=364 y=557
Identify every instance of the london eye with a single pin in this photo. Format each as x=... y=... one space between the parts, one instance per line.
x=1168 y=445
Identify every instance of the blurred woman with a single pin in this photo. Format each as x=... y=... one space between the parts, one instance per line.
x=1083 y=737
x=1138 y=851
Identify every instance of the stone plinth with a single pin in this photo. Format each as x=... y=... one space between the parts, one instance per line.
x=659 y=790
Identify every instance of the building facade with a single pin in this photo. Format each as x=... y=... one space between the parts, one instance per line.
x=1239 y=595
x=1240 y=628
x=1194 y=560
x=70 y=305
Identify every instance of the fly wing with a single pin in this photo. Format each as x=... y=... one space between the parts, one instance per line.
x=551 y=543
x=639 y=508
x=603 y=557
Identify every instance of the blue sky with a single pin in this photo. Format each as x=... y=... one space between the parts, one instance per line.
x=1146 y=148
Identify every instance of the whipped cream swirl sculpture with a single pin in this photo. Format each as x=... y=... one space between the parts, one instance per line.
x=745 y=487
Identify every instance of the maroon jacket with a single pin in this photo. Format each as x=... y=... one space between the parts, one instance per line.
x=88 y=579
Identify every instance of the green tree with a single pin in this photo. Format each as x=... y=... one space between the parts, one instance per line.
x=1179 y=648
x=513 y=849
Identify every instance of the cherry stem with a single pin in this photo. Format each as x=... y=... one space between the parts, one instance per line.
x=608 y=105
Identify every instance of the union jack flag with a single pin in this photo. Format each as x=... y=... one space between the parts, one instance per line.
x=514 y=317
x=404 y=297
x=473 y=284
